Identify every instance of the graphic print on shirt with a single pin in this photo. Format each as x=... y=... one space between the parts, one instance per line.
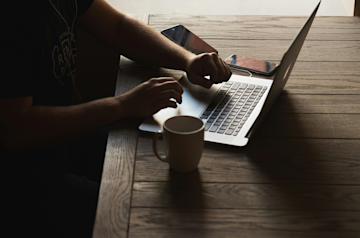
x=64 y=55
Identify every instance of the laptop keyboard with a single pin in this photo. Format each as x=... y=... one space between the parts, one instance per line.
x=231 y=107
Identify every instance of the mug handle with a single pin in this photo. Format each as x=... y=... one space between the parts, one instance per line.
x=155 y=139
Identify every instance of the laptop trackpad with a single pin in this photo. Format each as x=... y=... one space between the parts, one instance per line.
x=195 y=99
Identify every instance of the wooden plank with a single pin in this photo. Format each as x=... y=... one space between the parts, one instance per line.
x=346 y=126
x=261 y=27
x=299 y=103
x=324 y=78
x=113 y=211
x=115 y=191
x=154 y=222
x=293 y=161
x=273 y=50
x=246 y=196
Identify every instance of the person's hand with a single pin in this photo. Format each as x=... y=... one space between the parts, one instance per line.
x=150 y=97
x=207 y=64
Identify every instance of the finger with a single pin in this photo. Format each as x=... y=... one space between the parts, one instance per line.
x=211 y=67
x=169 y=85
x=221 y=70
x=162 y=79
x=165 y=104
x=166 y=95
x=228 y=71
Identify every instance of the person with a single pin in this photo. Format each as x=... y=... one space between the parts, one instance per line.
x=52 y=151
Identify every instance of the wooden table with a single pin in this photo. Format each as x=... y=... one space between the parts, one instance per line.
x=299 y=178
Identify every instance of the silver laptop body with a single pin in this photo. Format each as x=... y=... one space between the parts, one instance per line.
x=230 y=110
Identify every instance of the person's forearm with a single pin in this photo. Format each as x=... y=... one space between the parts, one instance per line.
x=42 y=126
x=140 y=42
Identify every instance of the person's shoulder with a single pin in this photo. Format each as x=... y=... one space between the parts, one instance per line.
x=84 y=5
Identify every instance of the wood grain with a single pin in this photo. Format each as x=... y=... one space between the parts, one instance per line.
x=289 y=161
x=172 y=222
x=246 y=196
x=324 y=78
x=261 y=27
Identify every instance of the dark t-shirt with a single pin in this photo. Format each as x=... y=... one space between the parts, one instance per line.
x=38 y=56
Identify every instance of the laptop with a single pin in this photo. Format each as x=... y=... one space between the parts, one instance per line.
x=232 y=111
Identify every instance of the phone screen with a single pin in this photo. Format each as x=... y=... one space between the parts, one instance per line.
x=182 y=36
x=253 y=65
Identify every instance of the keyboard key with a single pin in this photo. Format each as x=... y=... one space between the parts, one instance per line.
x=235 y=85
x=217 y=123
x=244 y=85
x=223 y=127
x=214 y=128
x=207 y=112
x=207 y=126
x=221 y=131
x=229 y=131
x=211 y=120
x=251 y=86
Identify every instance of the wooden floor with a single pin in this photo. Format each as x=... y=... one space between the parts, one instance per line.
x=299 y=178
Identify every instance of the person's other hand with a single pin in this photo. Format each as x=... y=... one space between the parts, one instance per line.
x=151 y=96
x=207 y=64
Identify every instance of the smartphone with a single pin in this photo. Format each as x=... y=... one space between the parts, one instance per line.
x=252 y=65
x=182 y=36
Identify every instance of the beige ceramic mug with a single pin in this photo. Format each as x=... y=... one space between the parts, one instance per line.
x=183 y=142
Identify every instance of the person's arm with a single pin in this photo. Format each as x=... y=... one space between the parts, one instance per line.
x=24 y=126
x=138 y=41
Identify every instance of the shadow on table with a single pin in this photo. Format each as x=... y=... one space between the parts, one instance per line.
x=285 y=163
x=187 y=200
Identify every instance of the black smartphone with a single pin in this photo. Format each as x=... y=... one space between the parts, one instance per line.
x=182 y=36
x=252 y=65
